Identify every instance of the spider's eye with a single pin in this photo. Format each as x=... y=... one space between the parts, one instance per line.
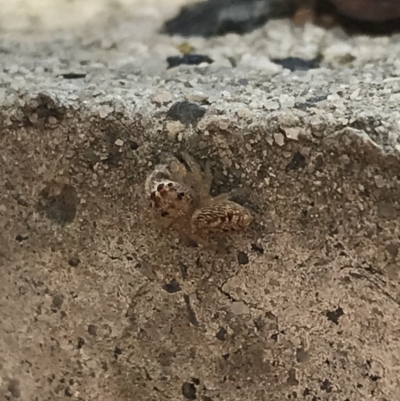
x=181 y=195
x=160 y=187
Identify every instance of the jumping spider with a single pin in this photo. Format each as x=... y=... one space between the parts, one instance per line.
x=180 y=197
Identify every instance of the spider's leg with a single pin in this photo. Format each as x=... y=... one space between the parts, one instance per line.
x=194 y=177
x=220 y=198
x=194 y=168
x=208 y=200
x=208 y=178
x=189 y=161
x=178 y=170
x=201 y=180
x=218 y=245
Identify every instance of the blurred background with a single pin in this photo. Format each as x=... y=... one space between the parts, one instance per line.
x=60 y=14
x=198 y=16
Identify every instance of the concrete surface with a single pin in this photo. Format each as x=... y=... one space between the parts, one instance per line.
x=96 y=304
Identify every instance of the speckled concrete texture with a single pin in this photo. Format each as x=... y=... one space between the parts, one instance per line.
x=98 y=304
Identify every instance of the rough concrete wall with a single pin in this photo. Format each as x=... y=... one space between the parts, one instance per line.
x=97 y=304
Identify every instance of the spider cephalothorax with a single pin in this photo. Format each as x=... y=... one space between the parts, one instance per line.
x=169 y=195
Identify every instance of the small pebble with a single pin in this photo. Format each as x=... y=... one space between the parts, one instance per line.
x=189 y=391
x=73 y=75
x=297 y=63
x=58 y=301
x=14 y=388
x=68 y=392
x=242 y=257
x=186 y=112
x=174 y=128
x=21 y=237
x=172 y=287
x=279 y=139
x=104 y=111
x=293 y=133
x=221 y=334
x=257 y=248
x=298 y=161
x=74 y=261
x=239 y=308
x=387 y=211
x=161 y=97
x=92 y=330
x=188 y=59
x=334 y=316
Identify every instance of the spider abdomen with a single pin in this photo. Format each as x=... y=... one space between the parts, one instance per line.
x=220 y=217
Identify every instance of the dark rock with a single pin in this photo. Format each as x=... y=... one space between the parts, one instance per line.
x=221 y=335
x=326 y=385
x=188 y=59
x=172 y=287
x=297 y=63
x=73 y=75
x=191 y=313
x=369 y=10
x=133 y=145
x=92 y=330
x=117 y=352
x=189 y=391
x=219 y=17
x=21 y=237
x=392 y=249
x=257 y=248
x=387 y=211
x=242 y=258
x=196 y=381
x=335 y=315
x=301 y=355
x=14 y=388
x=68 y=392
x=186 y=112
x=59 y=203
x=374 y=378
x=298 y=161
x=291 y=380
x=57 y=301
x=74 y=261
x=44 y=107
x=81 y=342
